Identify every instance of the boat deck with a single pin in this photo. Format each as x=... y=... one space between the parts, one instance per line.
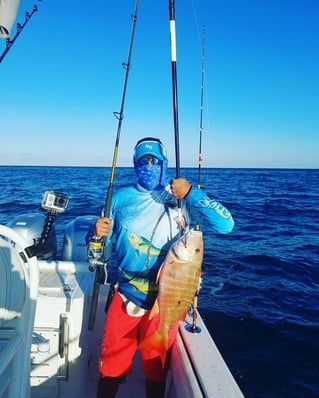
x=133 y=386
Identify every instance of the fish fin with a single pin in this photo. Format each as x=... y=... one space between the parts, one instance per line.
x=159 y=273
x=154 y=310
x=157 y=342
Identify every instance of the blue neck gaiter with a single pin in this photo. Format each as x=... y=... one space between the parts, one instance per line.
x=149 y=176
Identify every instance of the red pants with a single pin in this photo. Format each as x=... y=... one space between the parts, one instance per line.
x=121 y=336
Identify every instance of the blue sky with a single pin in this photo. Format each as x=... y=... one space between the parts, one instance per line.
x=63 y=78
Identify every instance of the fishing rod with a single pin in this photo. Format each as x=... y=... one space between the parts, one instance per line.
x=194 y=328
x=10 y=42
x=175 y=97
x=99 y=253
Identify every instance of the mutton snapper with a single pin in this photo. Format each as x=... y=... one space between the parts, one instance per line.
x=178 y=280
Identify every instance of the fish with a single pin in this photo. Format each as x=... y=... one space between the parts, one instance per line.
x=144 y=246
x=178 y=280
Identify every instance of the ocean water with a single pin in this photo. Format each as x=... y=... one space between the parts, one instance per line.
x=260 y=289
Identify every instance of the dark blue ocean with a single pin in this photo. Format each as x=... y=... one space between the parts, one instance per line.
x=260 y=290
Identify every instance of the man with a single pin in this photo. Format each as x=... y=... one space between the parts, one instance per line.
x=144 y=222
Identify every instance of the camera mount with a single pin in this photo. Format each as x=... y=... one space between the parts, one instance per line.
x=53 y=202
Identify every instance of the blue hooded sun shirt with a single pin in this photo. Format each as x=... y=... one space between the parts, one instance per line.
x=146 y=223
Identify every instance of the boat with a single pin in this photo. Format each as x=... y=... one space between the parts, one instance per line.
x=46 y=347
x=48 y=344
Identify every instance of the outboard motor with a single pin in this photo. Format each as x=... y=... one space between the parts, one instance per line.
x=76 y=236
x=30 y=227
x=38 y=229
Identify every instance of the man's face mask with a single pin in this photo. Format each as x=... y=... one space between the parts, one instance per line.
x=149 y=175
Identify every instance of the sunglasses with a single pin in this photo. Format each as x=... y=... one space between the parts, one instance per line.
x=149 y=160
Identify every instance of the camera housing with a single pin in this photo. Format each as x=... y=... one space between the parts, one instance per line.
x=54 y=201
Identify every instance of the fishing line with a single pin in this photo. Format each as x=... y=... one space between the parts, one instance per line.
x=197 y=24
x=98 y=250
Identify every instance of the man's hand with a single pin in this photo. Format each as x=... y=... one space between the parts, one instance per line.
x=102 y=227
x=180 y=187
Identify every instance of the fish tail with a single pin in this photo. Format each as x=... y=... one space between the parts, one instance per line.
x=158 y=342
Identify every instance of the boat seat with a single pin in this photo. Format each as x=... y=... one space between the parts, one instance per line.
x=18 y=293
x=13 y=286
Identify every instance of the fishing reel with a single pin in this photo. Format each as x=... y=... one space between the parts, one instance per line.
x=95 y=253
x=99 y=256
